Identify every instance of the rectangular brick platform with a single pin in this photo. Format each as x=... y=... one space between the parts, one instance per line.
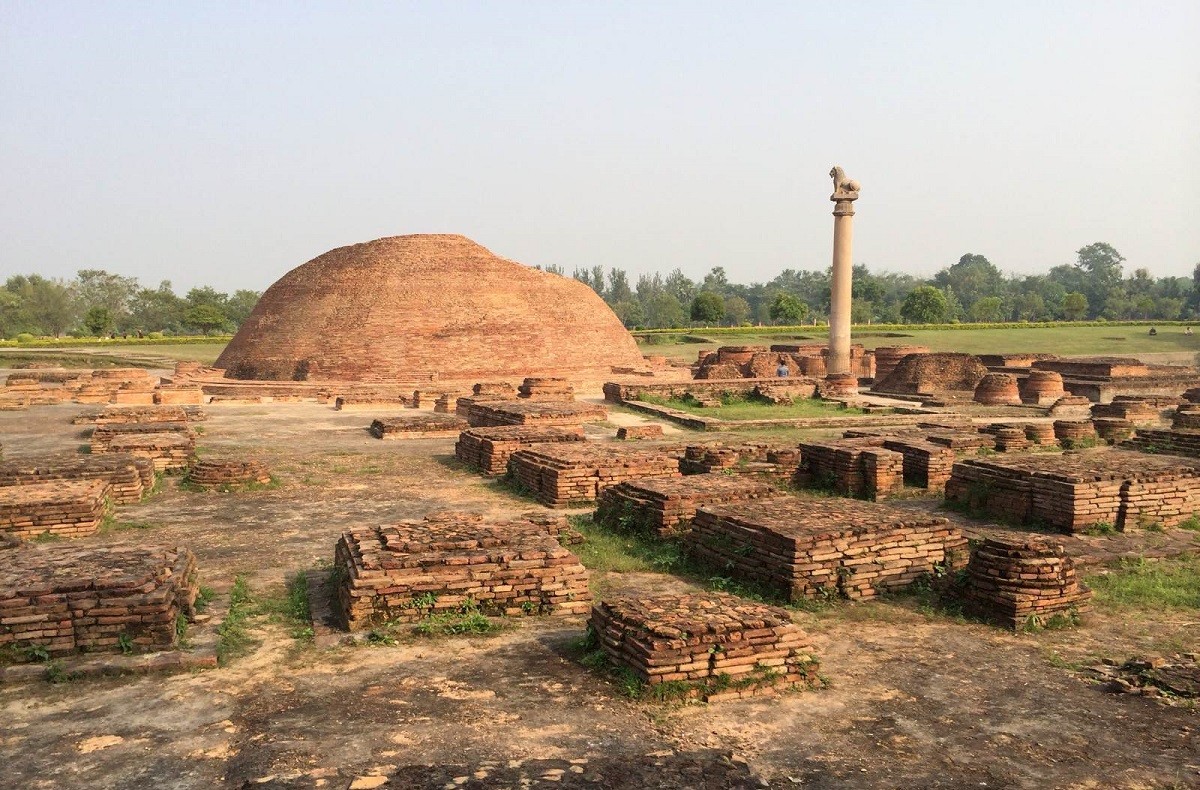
x=63 y=509
x=169 y=451
x=851 y=467
x=71 y=599
x=529 y=412
x=103 y=435
x=417 y=426
x=720 y=645
x=488 y=449
x=127 y=415
x=361 y=401
x=575 y=474
x=806 y=548
x=129 y=477
x=420 y=568
x=1073 y=493
x=666 y=506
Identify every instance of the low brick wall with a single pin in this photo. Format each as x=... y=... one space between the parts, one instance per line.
x=666 y=506
x=61 y=509
x=575 y=474
x=488 y=449
x=129 y=477
x=214 y=473
x=483 y=414
x=417 y=426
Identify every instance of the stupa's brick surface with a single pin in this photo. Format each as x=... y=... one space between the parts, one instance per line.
x=417 y=425
x=1073 y=493
x=528 y=412
x=666 y=506
x=568 y=474
x=727 y=646
x=1015 y=583
x=406 y=308
x=63 y=509
x=488 y=449
x=415 y=569
x=806 y=548
x=129 y=477
x=69 y=599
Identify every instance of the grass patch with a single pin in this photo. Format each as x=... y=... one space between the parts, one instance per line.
x=234 y=636
x=291 y=609
x=734 y=407
x=1141 y=584
x=110 y=524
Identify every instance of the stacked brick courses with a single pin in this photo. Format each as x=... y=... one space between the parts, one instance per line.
x=103 y=435
x=529 y=412
x=1138 y=410
x=63 y=509
x=768 y=458
x=488 y=449
x=129 y=477
x=806 y=548
x=212 y=473
x=1040 y=433
x=1042 y=388
x=128 y=415
x=567 y=474
x=1185 y=443
x=417 y=426
x=1010 y=438
x=372 y=400
x=1112 y=429
x=178 y=395
x=169 y=451
x=1015 y=583
x=708 y=640
x=553 y=389
x=71 y=599
x=416 y=569
x=630 y=432
x=926 y=464
x=887 y=357
x=1069 y=432
x=998 y=389
x=666 y=506
x=1073 y=493
x=851 y=467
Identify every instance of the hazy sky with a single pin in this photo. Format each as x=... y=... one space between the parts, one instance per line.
x=226 y=143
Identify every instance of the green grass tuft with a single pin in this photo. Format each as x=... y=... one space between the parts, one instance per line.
x=1141 y=584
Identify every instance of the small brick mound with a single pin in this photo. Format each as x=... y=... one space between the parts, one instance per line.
x=1070 y=432
x=104 y=435
x=1187 y=418
x=1141 y=411
x=415 y=569
x=806 y=548
x=1011 y=439
x=1185 y=443
x=554 y=389
x=488 y=449
x=169 y=451
x=1042 y=388
x=362 y=401
x=727 y=646
x=1040 y=433
x=417 y=426
x=1075 y=492
x=998 y=389
x=496 y=390
x=770 y=458
x=570 y=474
x=1027 y=582
x=64 y=509
x=933 y=374
x=652 y=431
x=71 y=599
x=1113 y=430
x=528 y=412
x=887 y=357
x=210 y=473
x=129 y=477
x=851 y=467
x=666 y=506
x=126 y=415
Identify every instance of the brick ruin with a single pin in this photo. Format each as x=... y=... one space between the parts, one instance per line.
x=218 y=473
x=415 y=569
x=887 y=357
x=808 y=548
x=575 y=473
x=528 y=412
x=1074 y=433
x=944 y=375
x=998 y=389
x=417 y=426
x=128 y=415
x=775 y=459
x=129 y=477
x=633 y=432
x=488 y=449
x=378 y=399
x=1015 y=583
x=72 y=509
x=71 y=599
x=761 y=362
x=722 y=646
x=546 y=388
x=666 y=506
x=874 y=465
x=129 y=386
x=104 y=435
x=426 y=308
x=1073 y=493
x=171 y=448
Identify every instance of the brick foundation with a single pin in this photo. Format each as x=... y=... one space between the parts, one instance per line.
x=570 y=474
x=62 y=509
x=129 y=477
x=666 y=506
x=528 y=412
x=417 y=426
x=212 y=473
x=1016 y=583
x=488 y=449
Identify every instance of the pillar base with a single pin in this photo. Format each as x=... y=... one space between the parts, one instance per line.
x=838 y=386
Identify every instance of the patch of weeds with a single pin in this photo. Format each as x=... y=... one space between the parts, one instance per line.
x=1101 y=528
x=39 y=654
x=181 y=631
x=1081 y=444
x=159 y=484
x=606 y=549
x=509 y=482
x=125 y=643
x=291 y=609
x=1055 y=622
x=204 y=598
x=56 y=673
x=110 y=524
x=371 y=469
x=467 y=620
x=233 y=635
x=1192 y=523
x=1141 y=584
x=46 y=537
x=1055 y=660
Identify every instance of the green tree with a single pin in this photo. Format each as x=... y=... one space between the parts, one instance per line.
x=974 y=277
x=737 y=310
x=204 y=317
x=664 y=311
x=157 y=309
x=630 y=312
x=1074 y=306
x=98 y=288
x=238 y=308
x=989 y=309
x=98 y=320
x=926 y=305
x=44 y=307
x=618 y=286
x=788 y=309
x=708 y=307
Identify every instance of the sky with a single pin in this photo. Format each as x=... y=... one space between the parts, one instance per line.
x=223 y=144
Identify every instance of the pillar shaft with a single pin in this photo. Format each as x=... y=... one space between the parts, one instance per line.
x=839 y=302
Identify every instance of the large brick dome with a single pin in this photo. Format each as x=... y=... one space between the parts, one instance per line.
x=406 y=308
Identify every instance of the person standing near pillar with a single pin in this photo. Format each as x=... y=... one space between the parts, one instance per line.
x=845 y=192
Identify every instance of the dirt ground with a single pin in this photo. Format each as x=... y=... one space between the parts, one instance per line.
x=915 y=699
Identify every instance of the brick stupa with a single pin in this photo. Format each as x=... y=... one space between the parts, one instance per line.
x=426 y=307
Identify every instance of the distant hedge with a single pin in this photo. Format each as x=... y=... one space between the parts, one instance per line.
x=76 y=342
x=781 y=330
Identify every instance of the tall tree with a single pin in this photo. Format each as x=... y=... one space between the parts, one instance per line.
x=926 y=305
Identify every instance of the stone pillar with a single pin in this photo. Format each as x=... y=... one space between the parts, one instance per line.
x=845 y=192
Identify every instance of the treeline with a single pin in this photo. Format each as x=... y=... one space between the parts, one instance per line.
x=96 y=303
x=971 y=290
